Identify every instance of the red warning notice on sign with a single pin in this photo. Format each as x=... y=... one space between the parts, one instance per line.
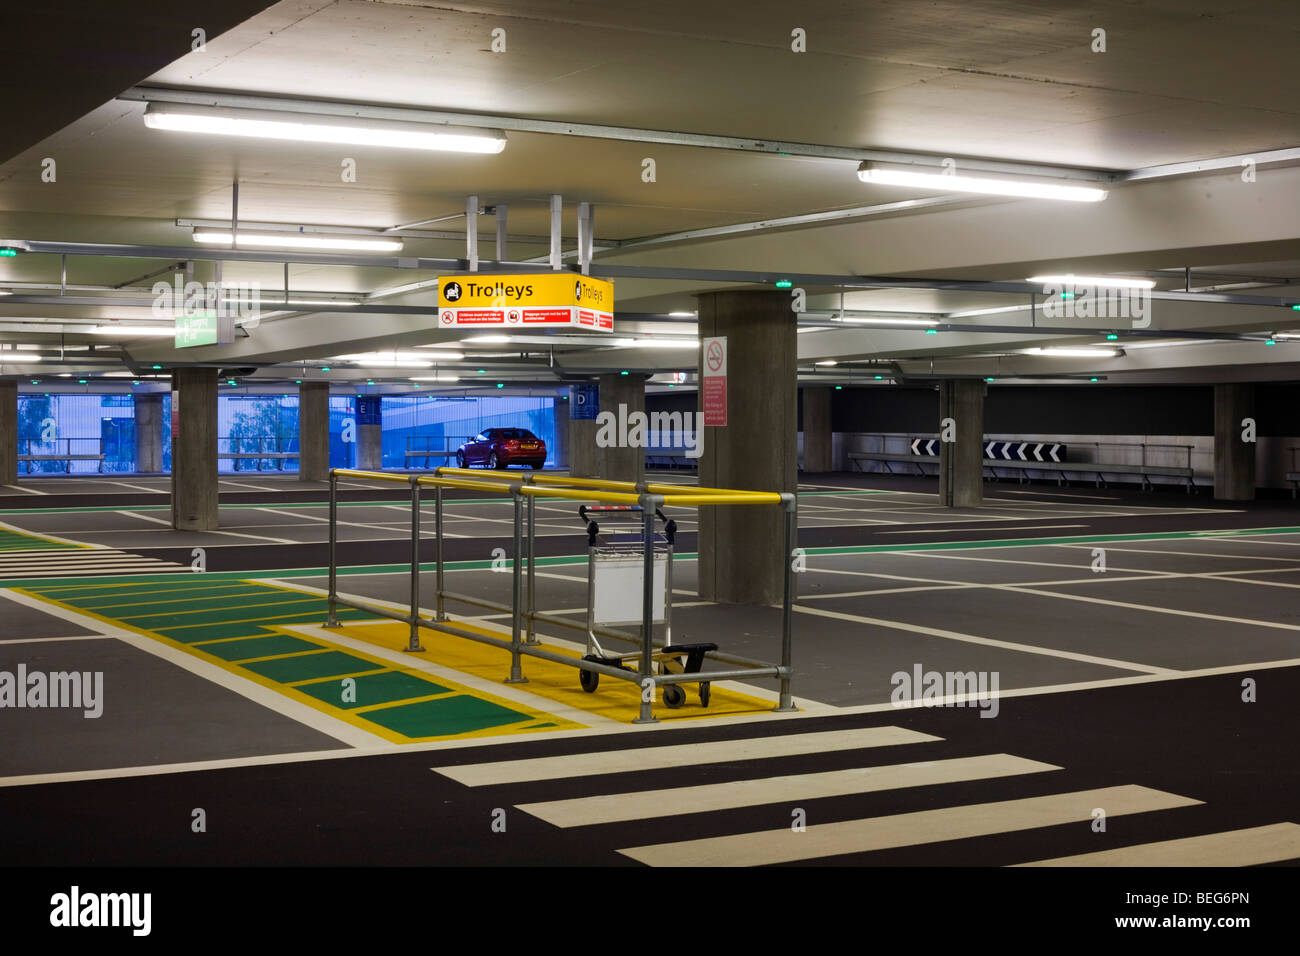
x=713 y=381
x=477 y=316
x=548 y=316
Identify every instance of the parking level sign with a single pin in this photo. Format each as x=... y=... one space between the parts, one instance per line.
x=713 y=380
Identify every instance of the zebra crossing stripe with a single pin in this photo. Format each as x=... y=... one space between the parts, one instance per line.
x=906 y=829
x=678 y=755
x=1251 y=847
x=61 y=563
x=648 y=804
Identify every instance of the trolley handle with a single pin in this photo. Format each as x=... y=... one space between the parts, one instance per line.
x=593 y=528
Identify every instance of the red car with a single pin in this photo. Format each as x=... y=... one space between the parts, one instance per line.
x=501 y=448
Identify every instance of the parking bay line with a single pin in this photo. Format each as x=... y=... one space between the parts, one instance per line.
x=986 y=641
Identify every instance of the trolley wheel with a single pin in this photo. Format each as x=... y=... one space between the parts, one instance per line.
x=589 y=680
x=674 y=696
x=705 y=693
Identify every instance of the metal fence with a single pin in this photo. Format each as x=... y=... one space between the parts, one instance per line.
x=524 y=616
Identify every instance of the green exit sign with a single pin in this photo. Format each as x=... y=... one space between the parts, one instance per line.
x=197 y=328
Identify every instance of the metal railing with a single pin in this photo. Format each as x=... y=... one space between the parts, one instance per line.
x=524 y=616
x=259 y=448
x=34 y=450
x=421 y=446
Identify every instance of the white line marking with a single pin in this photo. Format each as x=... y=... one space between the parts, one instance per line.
x=906 y=829
x=47 y=537
x=675 y=801
x=987 y=641
x=678 y=755
x=26 y=491
x=1038 y=527
x=1249 y=847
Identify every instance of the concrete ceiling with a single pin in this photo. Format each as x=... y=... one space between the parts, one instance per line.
x=1013 y=81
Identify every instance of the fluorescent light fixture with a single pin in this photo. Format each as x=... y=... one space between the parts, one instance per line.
x=1000 y=309
x=1065 y=352
x=282 y=302
x=487 y=340
x=665 y=343
x=291 y=240
x=142 y=330
x=828 y=362
x=436 y=378
x=8 y=356
x=682 y=315
x=993 y=184
x=399 y=359
x=305 y=128
x=1101 y=282
x=880 y=320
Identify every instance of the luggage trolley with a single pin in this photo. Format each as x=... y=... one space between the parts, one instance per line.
x=615 y=572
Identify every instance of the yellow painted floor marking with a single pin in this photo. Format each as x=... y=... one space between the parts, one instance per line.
x=535 y=715
x=614 y=699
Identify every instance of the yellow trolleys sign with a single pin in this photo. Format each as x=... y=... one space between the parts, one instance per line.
x=544 y=300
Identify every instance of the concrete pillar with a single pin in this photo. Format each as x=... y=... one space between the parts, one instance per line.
x=560 y=449
x=817 y=429
x=961 y=460
x=741 y=548
x=1234 y=459
x=620 y=396
x=314 y=431
x=370 y=432
x=148 y=433
x=194 y=449
x=8 y=432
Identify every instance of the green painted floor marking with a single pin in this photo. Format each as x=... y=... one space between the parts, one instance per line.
x=432 y=718
x=304 y=665
x=74 y=585
x=248 y=648
x=1048 y=542
x=287 y=670
x=259 y=612
x=21 y=541
x=147 y=598
x=218 y=631
x=372 y=689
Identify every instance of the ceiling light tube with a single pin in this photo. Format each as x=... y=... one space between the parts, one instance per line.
x=665 y=343
x=1101 y=282
x=289 y=240
x=911 y=323
x=142 y=330
x=991 y=184
x=1066 y=352
x=303 y=128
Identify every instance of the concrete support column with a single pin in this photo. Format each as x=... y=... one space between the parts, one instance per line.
x=741 y=548
x=1234 y=459
x=370 y=432
x=8 y=432
x=961 y=459
x=817 y=429
x=148 y=433
x=314 y=431
x=620 y=397
x=560 y=450
x=194 y=449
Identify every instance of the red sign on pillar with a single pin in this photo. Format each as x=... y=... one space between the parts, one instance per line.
x=713 y=381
